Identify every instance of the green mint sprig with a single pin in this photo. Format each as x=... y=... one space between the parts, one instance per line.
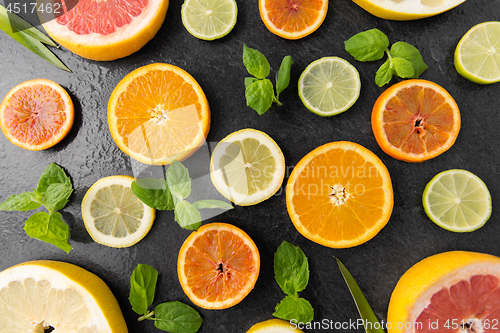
x=291 y=270
x=174 y=317
x=403 y=59
x=259 y=90
x=53 y=191
x=171 y=194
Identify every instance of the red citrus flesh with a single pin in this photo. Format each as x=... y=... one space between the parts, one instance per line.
x=294 y=15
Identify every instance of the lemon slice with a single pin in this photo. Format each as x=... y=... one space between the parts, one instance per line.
x=247 y=167
x=209 y=19
x=113 y=215
x=477 y=56
x=329 y=86
x=45 y=295
x=457 y=200
x=274 y=326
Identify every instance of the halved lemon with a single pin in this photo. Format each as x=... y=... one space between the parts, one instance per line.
x=274 y=326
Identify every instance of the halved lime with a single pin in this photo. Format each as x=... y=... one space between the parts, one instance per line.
x=477 y=56
x=457 y=200
x=329 y=86
x=209 y=19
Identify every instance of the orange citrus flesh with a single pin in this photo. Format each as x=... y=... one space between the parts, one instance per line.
x=218 y=266
x=415 y=120
x=339 y=195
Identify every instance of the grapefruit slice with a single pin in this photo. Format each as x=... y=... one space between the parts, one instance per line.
x=106 y=29
x=454 y=291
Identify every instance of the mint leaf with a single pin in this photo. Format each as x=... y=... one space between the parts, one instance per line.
x=20 y=202
x=53 y=174
x=50 y=229
x=291 y=268
x=260 y=95
x=384 y=74
x=212 y=204
x=142 y=288
x=153 y=192
x=187 y=216
x=404 y=68
x=178 y=180
x=249 y=80
x=410 y=53
x=283 y=79
x=255 y=63
x=294 y=308
x=56 y=196
x=177 y=317
x=368 y=45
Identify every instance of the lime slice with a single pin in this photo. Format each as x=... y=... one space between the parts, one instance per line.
x=275 y=326
x=477 y=56
x=209 y=19
x=457 y=200
x=247 y=167
x=329 y=86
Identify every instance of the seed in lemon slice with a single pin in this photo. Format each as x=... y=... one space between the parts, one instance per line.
x=457 y=200
x=477 y=56
x=113 y=215
x=46 y=296
x=274 y=326
x=329 y=86
x=209 y=19
x=247 y=167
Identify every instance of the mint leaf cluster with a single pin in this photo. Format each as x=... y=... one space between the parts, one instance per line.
x=403 y=59
x=291 y=270
x=53 y=191
x=259 y=90
x=171 y=194
x=174 y=317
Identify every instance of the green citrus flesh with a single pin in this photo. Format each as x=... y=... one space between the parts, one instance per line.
x=209 y=19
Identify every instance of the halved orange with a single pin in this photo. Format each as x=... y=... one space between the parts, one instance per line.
x=293 y=19
x=339 y=195
x=218 y=266
x=158 y=113
x=415 y=120
x=36 y=114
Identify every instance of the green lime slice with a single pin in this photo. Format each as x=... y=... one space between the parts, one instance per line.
x=477 y=56
x=209 y=19
x=457 y=200
x=329 y=86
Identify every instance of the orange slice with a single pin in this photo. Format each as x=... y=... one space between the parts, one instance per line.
x=293 y=19
x=415 y=120
x=36 y=114
x=158 y=113
x=218 y=266
x=339 y=195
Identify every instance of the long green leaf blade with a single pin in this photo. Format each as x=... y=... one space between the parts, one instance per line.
x=17 y=24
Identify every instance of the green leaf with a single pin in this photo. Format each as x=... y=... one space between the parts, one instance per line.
x=368 y=45
x=178 y=180
x=212 y=204
x=153 y=192
x=384 y=74
x=404 y=68
x=56 y=196
x=255 y=63
x=291 y=268
x=53 y=174
x=283 y=75
x=412 y=54
x=50 y=229
x=142 y=288
x=249 y=80
x=260 y=95
x=18 y=24
x=364 y=308
x=20 y=202
x=187 y=216
x=177 y=317
x=294 y=308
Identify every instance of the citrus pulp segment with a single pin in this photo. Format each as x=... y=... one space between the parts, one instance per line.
x=274 y=326
x=415 y=120
x=457 y=200
x=477 y=56
x=293 y=19
x=454 y=291
x=158 y=113
x=107 y=29
x=209 y=19
x=329 y=86
x=39 y=296
x=113 y=215
x=339 y=195
x=218 y=266
x=247 y=167
x=36 y=114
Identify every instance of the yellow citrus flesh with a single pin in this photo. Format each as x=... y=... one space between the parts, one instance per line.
x=274 y=326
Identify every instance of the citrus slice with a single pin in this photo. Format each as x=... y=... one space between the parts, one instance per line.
x=247 y=167
x=477 y=56
x=293 y=19
x=36 y=114
x=329 y=86
x=404 y=10
x=274 y=326
x=209 y=19
x=339 y=195
x=457 y=200
x=105 y=29
x=218 y=266
x=46 y=296
x=454 y=291
x=158 y=113
x=415 y=120
x=113 y=215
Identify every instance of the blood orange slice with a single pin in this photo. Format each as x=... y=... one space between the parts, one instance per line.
x=105 y=29
x=218 y=266
x=454 y=291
